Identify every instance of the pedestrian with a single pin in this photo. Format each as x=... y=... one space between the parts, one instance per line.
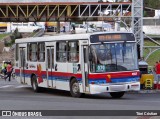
x=73 y=29
x=64 y=29
x=9 y=71
x=157 y=68
x=4 y=70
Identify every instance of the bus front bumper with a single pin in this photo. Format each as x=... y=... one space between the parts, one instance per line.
x=132 y=86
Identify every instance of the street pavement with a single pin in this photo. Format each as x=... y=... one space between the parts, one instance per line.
x=14 y=96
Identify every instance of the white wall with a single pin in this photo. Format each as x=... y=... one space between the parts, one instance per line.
x=155 y=30
x=157 y=13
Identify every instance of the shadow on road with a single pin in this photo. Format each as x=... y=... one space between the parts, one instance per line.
x=62 y=93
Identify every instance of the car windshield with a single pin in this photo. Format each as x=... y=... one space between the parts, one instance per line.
x=113 y=57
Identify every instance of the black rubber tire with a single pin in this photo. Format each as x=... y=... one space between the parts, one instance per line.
x=35 y=84
x=117 y=94
x=74 y=83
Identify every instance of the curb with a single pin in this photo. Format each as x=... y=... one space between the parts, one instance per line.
x=144 y=91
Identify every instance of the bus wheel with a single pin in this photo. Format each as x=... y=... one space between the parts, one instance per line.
x=74 y=88
x=35 y=84
x=117 y=94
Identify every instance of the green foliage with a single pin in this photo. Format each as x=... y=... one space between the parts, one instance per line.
x=152 y=3
x=6 y=43
x=13 y=37
x=155 y=56
x=3 y=35
x=145 y=14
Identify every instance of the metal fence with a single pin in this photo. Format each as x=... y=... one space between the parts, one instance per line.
x=34 y=1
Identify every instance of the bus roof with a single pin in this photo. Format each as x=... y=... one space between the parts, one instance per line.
x=61 y=37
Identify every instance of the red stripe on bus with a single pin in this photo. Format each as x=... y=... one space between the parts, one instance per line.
x=90 y=76
x=115 y=75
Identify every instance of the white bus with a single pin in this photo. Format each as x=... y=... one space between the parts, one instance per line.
x=92 y=63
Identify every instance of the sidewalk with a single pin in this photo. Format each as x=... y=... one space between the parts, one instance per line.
x=145 y=91
x=3 y=82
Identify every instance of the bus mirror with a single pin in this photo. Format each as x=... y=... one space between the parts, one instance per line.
x=90 y=56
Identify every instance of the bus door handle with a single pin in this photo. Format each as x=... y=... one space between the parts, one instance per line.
x=55 y=67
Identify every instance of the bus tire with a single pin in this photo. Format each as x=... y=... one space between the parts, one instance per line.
x=35 y=84
x=117 y=94
x=74 y=88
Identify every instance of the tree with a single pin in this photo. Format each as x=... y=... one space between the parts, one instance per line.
x=152 y=4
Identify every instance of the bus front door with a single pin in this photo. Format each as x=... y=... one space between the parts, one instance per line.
x=50 y=67
x=84 y=66
x=22 y=64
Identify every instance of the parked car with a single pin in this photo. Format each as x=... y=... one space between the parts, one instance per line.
x=24 y=26
x=83 y=29
x=51 y=29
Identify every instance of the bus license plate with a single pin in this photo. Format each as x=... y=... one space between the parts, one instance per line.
x=117 y=88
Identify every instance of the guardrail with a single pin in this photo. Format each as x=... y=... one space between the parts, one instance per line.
x=38 y=33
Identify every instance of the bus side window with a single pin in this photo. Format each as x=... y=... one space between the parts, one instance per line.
x=16 y=52
x=41 y=52
x=73 y=51
x=61 y=49
x=29 y=52
x=33 y=52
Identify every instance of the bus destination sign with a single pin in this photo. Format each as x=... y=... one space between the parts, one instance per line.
x=109 y=37
x=112 y=37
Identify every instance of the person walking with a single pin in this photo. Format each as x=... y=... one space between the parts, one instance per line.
x=4 y=70
x=64 y=29
x=9 y=71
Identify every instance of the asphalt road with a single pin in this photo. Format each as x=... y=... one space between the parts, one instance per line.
x=14 y=96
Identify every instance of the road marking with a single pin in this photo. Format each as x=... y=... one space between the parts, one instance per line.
x=22 y=86
x=13 y=86
x=6 y=86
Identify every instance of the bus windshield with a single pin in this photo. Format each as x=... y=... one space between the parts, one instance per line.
x=113 y=57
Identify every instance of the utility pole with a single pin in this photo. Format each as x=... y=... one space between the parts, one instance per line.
x=137 y=23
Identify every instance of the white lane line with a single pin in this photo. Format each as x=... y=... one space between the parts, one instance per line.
x=6 y=86
x=22 y=86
